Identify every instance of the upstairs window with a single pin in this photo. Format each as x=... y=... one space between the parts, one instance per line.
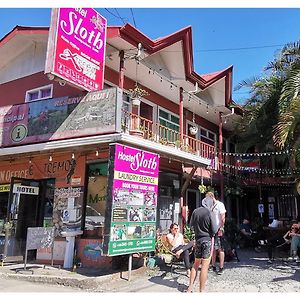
x=207 y=136
x=44 y=92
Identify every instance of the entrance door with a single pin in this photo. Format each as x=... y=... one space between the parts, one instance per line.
x=23 y=212
x=192 y=202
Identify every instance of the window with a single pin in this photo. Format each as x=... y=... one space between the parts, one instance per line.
x=207 y=136
x=169 y=121
x=44 y=92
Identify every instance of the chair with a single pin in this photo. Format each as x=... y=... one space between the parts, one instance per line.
x=169 y=257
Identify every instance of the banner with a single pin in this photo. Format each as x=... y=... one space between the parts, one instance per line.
x=134 y=189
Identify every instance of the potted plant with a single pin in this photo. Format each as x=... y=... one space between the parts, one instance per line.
x=136 y=94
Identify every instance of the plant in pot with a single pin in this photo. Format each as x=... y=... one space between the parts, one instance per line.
x=136 y=94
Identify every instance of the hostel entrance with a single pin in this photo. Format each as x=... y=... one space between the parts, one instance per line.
x=30 y=204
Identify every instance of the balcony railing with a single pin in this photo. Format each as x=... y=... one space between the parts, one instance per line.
x=147 y=129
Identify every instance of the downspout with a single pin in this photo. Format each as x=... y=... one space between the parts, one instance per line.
x=121 y=70
x=181 y=115
x=220 y=157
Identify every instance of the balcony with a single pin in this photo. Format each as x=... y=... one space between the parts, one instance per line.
x=147 y=129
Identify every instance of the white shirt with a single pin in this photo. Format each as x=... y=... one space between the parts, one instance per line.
x=217 y=208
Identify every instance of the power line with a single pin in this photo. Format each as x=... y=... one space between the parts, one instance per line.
x=116 y=16
x=232 y=49
x=131 y=10
x=120 y=16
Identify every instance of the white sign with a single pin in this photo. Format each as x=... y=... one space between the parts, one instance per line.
x=261 y=208
x=24 y=189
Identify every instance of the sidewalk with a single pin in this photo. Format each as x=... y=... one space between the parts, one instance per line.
x=88 y=279
x=251 y=274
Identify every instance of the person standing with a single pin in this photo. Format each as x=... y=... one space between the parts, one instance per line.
x=204 y=226
x=219 y=211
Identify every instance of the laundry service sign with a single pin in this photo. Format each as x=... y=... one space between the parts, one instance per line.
x=132 y=203
x=76 y=47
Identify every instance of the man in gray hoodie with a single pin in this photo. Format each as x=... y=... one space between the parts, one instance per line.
x=204 y=225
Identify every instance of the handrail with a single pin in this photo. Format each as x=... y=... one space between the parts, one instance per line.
x=132 y=123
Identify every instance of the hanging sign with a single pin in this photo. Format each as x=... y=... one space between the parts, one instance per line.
x=76 y=47
x=24 y=189
x=261 y=208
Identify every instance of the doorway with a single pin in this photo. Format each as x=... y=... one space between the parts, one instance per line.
x=192 y=202
x=30 y=204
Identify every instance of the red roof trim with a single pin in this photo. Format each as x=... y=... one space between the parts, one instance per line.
x=23 y=30
x=134 y=36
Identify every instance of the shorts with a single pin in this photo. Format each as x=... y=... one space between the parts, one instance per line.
x=203 y=249
x=219 y=243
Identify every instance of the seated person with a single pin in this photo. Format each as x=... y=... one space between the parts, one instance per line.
x=276 y=241
x=179 y=247
x=274 y=224
x=247 y=233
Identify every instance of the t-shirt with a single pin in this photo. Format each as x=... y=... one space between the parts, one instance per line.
x=179 y=240
x=217 y=208
x=203 y=223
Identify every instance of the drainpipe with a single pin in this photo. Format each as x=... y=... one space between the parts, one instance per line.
x=121 y=70
x=181 y=115
x=220 y=157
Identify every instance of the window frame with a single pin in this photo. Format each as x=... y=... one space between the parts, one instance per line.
x=39 y=90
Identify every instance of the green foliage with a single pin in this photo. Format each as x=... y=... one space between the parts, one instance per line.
x=188 y=233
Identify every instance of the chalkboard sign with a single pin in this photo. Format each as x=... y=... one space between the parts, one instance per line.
x=39 y=237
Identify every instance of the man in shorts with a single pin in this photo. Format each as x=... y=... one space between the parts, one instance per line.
x=219 y=211
x=204 y=225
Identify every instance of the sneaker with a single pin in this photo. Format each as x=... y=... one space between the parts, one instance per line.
x=298 y=259
x=269 y=261
x=214 y=269
x=291 y=258
x=221 y=271
x=261 y=242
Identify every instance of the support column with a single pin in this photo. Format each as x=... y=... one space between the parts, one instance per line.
x=121 y=70
x=181 y=115
x=220 y=158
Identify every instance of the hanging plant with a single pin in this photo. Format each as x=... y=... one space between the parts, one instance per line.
x=137 y=92
x=202 y=188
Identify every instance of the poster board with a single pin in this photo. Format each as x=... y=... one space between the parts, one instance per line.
x=39 y=237
x=130 y=219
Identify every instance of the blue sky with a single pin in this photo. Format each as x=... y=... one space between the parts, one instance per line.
x=246 y=38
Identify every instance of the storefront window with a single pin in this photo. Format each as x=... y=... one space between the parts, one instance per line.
x=96 y=199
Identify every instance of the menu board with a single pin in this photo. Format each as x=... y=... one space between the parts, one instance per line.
x=134 y=188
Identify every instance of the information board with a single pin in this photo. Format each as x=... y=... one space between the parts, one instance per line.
x=134 y=188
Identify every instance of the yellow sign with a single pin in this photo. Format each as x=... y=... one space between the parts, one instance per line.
x=4 y=188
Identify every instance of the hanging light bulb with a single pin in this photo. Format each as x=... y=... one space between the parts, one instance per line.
x=97 y=153
x=50 y=158
x=73 y=156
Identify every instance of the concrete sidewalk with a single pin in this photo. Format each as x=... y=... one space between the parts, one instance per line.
x=88 y=279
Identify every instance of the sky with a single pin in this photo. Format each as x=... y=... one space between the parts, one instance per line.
x=247 y=38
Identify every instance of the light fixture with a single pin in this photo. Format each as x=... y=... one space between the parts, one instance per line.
x=73 y=156
x=50 y=158
x=30 y=161
x=97 y=153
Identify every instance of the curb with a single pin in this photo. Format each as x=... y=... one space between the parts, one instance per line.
x=85 y=283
